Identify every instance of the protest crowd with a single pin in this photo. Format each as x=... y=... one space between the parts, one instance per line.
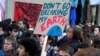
x=78 y=41
x=81 y=33
x=18 y=39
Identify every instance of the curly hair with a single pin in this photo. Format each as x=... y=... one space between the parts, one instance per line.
x=31 y=46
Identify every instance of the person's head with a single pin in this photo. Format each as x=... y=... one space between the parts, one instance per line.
x=28 y=47
x=70 y=32
x=88 y=52
x=96 y=30
x=88 y=24
x=14 y=30
x=74 y=32
x=27 y=34
x=63 y=53
x=21 y=23
x=8 y=44
x=50 y=39
x=64 y=50
x=8 y=20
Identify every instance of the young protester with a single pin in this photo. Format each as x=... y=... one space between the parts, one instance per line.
x=9 y=47
x=87 y=35
x=49 y=50
x=96 y=37
x=3 y=34
x=13 y=33
x=65 y=50
x=28 y=47
x=72 y=38
x=23 y=25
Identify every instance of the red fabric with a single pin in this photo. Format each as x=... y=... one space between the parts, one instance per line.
x=29 y=11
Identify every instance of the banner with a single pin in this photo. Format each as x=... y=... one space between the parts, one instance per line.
x=27 y=11
x=52 y=18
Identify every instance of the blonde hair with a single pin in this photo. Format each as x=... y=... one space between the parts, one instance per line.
x=12 y=41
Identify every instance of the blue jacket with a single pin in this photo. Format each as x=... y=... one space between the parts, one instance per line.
x=2 y=53
x=2 y=37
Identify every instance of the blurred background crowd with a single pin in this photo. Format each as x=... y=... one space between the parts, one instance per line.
x=17 y=38
x=81 y=37
x=76 y=38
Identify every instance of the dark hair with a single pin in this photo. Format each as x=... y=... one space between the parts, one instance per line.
x=96 y=26
x=8 y=21
x=25 y=22
x=31 y=46
x=76 y=33
x=26 y=34
x=13 y=26
x=50 y=38
x=22 y=21
x=4 y=25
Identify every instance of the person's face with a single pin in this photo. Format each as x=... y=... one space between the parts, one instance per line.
x=7 y=46
x=96 y=31
x=63 y=53
x=89 y=24
x=70 y=32
x=14 y=33
x=20 y=24
x=42 y=40
x=21 y=51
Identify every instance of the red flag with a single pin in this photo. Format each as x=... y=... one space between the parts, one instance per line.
x=29 y=11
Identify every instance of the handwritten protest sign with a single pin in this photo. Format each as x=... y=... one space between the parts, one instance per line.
x=53 y=18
